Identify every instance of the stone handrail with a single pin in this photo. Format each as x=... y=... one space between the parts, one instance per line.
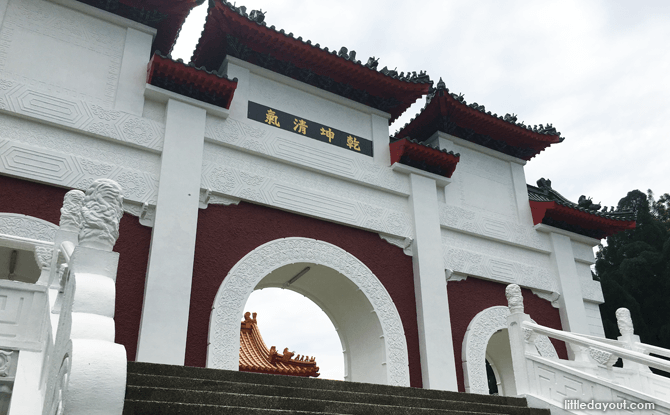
x=573 y=338
x=648 y=348
x=590 y=372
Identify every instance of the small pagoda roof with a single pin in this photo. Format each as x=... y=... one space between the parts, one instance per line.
x=451 y=114
x=585 y=217
x=187 y=80
x=256 y=357
x=422 y=156
x=166 y=16
x=230 y=31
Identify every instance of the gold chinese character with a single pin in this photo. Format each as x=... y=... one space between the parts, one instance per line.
x=352 y=142
x=271 y=118
x=300 y=126
x=328 y=133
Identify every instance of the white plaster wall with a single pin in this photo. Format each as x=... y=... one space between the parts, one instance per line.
x=499 y=353
x=70 y=54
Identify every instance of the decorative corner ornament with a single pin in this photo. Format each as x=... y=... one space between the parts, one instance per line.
x=101 y=212
x=514 y=298
x=5 y=362
x=70 y=213
x=43 y=256
x=602 y=357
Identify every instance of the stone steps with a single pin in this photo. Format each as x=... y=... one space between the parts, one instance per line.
x=166 y=390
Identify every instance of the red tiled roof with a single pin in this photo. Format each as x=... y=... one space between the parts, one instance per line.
x=424 y=157
x=230 y=31
x=256 y=357
x=449 y=113
x=190 y=81
x=551 y=208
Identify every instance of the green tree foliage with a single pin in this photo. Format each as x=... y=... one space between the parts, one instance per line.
x=634 y=270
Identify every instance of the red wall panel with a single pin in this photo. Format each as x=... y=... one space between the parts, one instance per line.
x=227 y=233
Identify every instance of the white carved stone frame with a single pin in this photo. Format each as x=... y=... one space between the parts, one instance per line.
x=484 y=325
x=224 y=326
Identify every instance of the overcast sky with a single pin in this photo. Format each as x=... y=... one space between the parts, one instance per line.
x=599 y=71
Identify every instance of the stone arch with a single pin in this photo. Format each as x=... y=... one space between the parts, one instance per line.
x=223 y=348
x=480 y=330
x=22 y=226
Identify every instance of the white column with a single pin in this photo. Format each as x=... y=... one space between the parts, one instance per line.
x=133 y=73
x=438 y=367
x=380 y=140
x=571 y=302
x=167 y=292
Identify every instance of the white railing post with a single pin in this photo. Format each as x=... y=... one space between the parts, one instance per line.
x=629 y=339
x=521 y=340
x=87 y=370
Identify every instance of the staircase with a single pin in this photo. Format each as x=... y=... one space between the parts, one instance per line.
x=154 y=389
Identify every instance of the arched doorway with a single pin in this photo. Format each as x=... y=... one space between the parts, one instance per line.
x=357 y=303
x=487 y=339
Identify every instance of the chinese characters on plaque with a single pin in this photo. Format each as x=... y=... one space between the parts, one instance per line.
x=311 y=129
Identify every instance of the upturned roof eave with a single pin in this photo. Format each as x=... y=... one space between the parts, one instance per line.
x=224 y=19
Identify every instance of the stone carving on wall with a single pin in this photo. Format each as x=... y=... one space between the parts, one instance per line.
x=484 y=325
x=101 y=212
x=227 y=172
x=458 y=218
x=268 y=142
x=223 y=351
x=5 y=362
x=63 y=169
x=29 y=134
x=497 y=261
x=84 y=116
x=70 y=213
x=27 y=227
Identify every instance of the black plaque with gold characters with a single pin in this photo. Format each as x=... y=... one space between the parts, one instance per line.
x=311 y=129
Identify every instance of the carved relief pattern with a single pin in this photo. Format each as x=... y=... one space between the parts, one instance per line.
x=85 y=116
x=497 y=261
x=250 y=270
x=602 y=357
x=77 y=144
x=514 y=298
x=263 y=140
x=70 y=213
x=481 y=328
x=71 y=171
x=5 y=362
x=233 y=173
x=101 y=212
x=27 y=227
x=43 y=256
x=479 y=223
x=624 y=321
